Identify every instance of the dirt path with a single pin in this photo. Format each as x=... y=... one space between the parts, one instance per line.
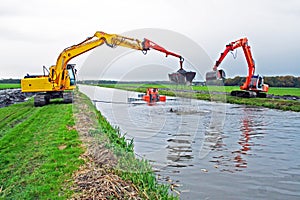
x=96 y=178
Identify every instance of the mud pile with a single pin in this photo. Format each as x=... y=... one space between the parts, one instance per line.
x=11 y=96
x=286 y=97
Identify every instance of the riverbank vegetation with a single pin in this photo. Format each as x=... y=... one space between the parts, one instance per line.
x=137 y=172
x=220 y=93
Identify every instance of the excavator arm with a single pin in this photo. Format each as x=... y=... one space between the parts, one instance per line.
x=100 y=38
x=246 y=48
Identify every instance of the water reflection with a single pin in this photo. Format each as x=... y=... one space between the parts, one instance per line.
x=213 y=131
x=179 y=150
x=180 y=141
x=236 y=160
x=199 y=132
x=244 y=142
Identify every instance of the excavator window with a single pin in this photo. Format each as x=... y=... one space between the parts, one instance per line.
x=71 y=74
x=52 y=73
x=260 y=82
x=253 y=82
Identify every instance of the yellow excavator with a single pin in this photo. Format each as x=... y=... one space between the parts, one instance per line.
x=61 y=77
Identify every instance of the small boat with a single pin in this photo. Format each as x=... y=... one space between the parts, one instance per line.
x=152 y=95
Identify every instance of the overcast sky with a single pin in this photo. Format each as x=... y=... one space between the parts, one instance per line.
x=34 y=32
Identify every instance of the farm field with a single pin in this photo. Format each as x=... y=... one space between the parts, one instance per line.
x=9 y=86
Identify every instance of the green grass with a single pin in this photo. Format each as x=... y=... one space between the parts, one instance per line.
x=32 y=165
x=9 y=86
x=272 y=90
x=284 y=91
x=39 y=152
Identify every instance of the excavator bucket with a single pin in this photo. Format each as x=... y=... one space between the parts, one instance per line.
x=182 y=77
x=215 y=75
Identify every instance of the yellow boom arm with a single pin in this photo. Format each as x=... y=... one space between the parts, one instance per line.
x=57 y=74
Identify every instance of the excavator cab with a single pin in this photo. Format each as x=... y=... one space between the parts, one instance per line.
x=255 y=83
x=72 y=73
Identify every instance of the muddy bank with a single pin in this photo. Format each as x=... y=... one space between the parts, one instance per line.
x=11 y=96
x=286 y=97
x=96 y=178
x=269 y=96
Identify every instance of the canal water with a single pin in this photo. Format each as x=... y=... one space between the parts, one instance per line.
x=210 y=150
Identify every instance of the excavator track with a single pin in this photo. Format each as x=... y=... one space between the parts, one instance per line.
x=41 y=99
x=244 y=94
x=68 y=97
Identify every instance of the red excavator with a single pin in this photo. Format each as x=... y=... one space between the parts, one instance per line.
x=254 y=85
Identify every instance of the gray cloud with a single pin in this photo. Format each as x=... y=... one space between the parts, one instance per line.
x=271 y=26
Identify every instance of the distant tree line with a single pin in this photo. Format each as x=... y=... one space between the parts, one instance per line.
x=10 y=80
x=283 y=81
x=95 y=82
x=273 y=81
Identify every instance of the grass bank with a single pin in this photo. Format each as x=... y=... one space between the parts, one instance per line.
x=38 y=153
x=9 y=86
x=201 y=93
x=42 y=155
x=281 y=91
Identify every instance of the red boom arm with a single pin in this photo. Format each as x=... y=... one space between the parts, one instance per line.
x=147 y=44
